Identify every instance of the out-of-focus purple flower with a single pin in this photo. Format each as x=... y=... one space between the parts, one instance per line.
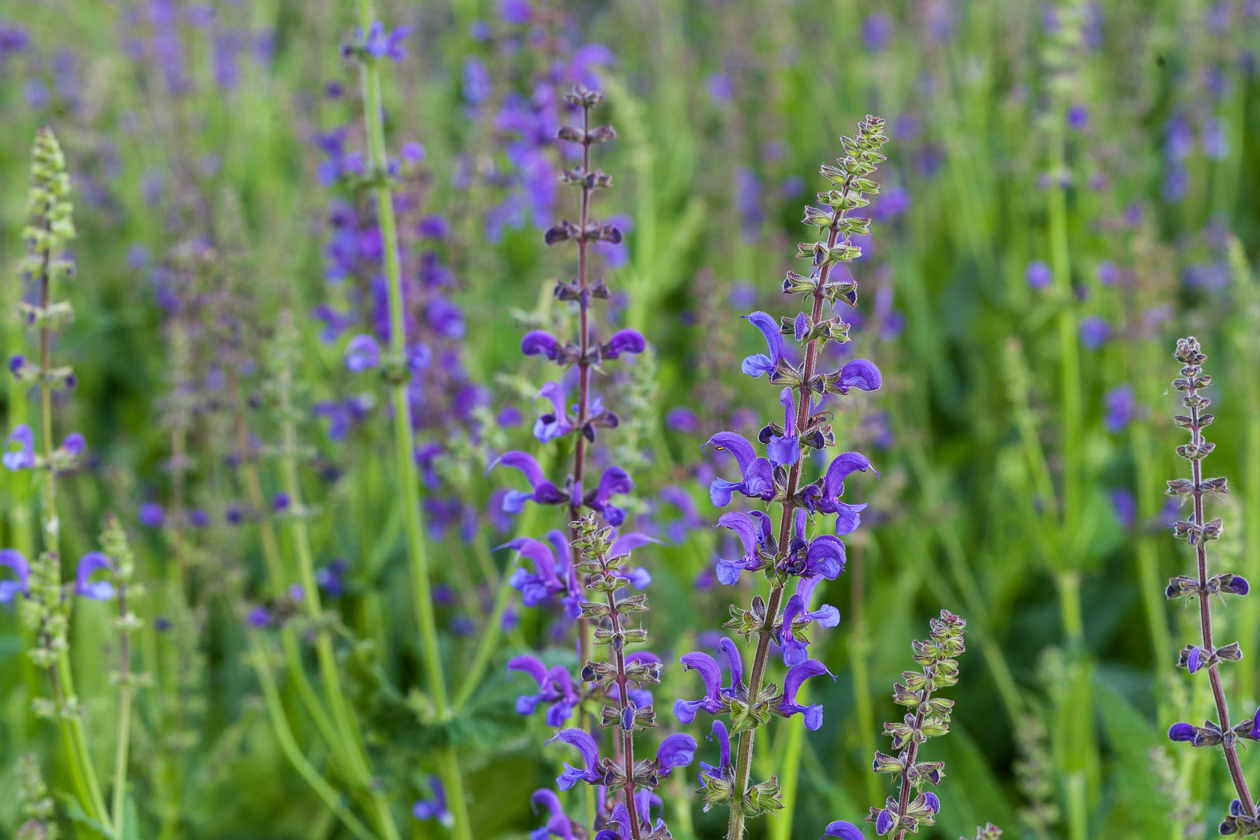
x=614 y=481
x=199 y=518
x=555 y=686
x=1078 y=117
x=281 y=502
x=556 y=423
x=720 y=89
x=796 y=675
x=793 y=186
x=434 y=226
x=760 y=363
x=876 y=30
x=362 y=353
x=1124 y=506
x=742 y=295
x=23 y=457
x=617 y=254
x=382 y=44
x=1120 y=407
x=259 y=617
x=1179 y=139
x=895 y=201
x=151 y=515
x=516 y=12
x=227 y=46
x=477 y=84
x=435 y=808
x=681 y=419
x=1038 y=275
x=411 y=152
x=552 y=572
x=96 y=590
x=13 y=39
x=1215 y=145
x=757 y=473
x=16 y=562
x=297 y=592
x=1094 y=331
x=479 y=31
x=1108 y=274
x=330 y=578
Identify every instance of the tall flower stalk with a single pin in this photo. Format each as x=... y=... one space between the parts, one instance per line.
x=1242 y=818
x=785 y=551
x=378 y=45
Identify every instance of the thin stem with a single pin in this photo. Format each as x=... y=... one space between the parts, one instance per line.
x=623 y=700
x=584 y=376
x=1205 y=616
x=743 y=764
x=124 y=713
x=912 y=753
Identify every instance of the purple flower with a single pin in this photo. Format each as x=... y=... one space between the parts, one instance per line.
x=714 y=699
x=551 y=568
x=151 y=515
x=827 y=498
x=555 y=686
x=1038 y=275
x=558 y=823
x=199 y=518
x=16 y=562
x=382 y=44
x=1108 y=274
x=1184 y=731
x=435 y=808
x=587 y=748
x=89 y=564
x=259 y=617
x=754 y=531
x=681 y=419
x=362 y=353
x=843 y=830
x=412 y=152
x=624 y=341
x=555 y=424
x=329 y=578
x=797 y=617
x=883 y=822
x=1194 y=658
x=719 y=88
x=614 y=481
x=1078 y=117
x=1094 y=331
x=760 y=363
x=538 y=342
x=434 y=226
x=823 y=556
x=280 y=502
x=23 y=458
x=1238 y=585
x=796 y=675
x=757 y=473
x=786 y=450
x=875 y=31
x=709 y=772
x=543 y=491
x=859 y=374
x=515 y=12
x=677 y=750
x=1120 y=407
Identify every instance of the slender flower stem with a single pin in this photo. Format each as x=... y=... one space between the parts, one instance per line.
x=124 y=713
x=623 y=699
x=1205 y=616
x=912 y=753
x=584 y=377
x=743 y=765
x=404 y=435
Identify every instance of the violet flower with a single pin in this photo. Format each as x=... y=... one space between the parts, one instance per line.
x=435 y=808
x=797 y=611
x=624 y=341
x=552 y=573
x=23 y=458
x=715 y=696
x=362 y=353
x=555 y=686
x=785 y=450
x=760 y=363
x=678 y=750
x=558 y=823
x=843 y=830
x=796 y=675
x=757 y=473
x=151 y=515
x=613 y=482
x=90 y=564
x=827 y=497
x=543 y=491
x=859 y=374
x=540 y=342
x=382 y=44
x=589 y=750
x=754 y=532
x=556 y=424
x=17 y=563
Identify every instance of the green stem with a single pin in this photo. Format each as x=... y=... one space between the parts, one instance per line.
x=1148 y=554
x=1069 y=358
x=285 y=736
x=124 y=716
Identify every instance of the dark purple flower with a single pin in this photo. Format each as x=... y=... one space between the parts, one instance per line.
x=555 y=424
x=587 y=748
x=710 y=772
x=90 y=564
x=16 y=562
x=677 y=750
x=558 y=823
x=859 y=374
x=714 y=699
x=259 y=617
x=435 y=808
x=1195 y=658
x=757 y=473
x=797 y=617
x=538 y=342
x=23 y=458
x=1184 y=731
x=760 y=363
x=434 y=226
x=624 y=341
x=796 y=675
x=329 y=578
x=515 y=12
x=1078 y=117
x=783 y=451
x=843 y=830
x=1238 y=585
x=551 y=568
x=199 y=518
x=362 y=353
x=614 y=481
x=754 y=532
x=827 y=498
x=281 y=502
x=1094 y=331
x=1038 y=275
x=555 y=686
x=543 y=491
